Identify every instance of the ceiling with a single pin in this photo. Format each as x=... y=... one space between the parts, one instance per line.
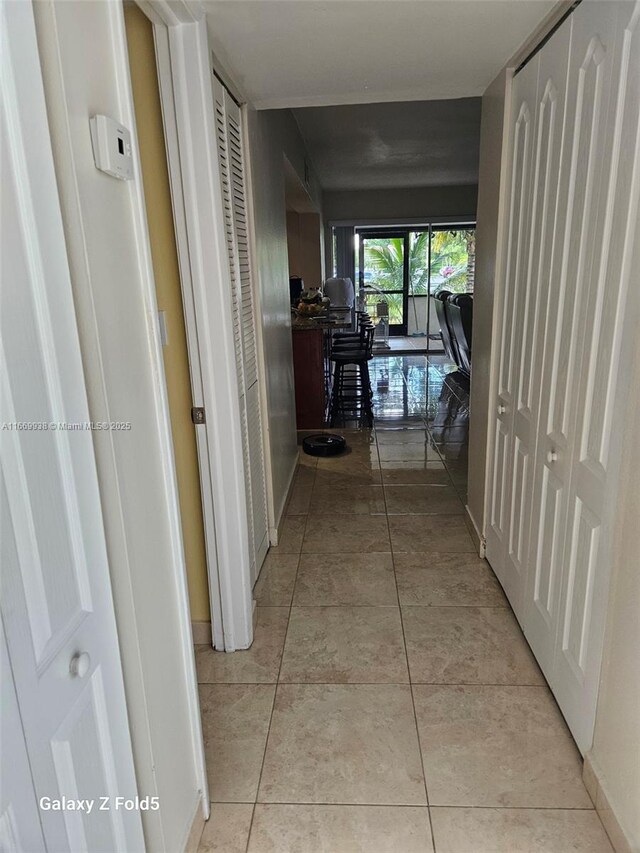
x=372 y=146
x=295 y=53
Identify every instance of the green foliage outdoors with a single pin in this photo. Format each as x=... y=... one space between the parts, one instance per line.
x=453 y=260
x=452 y=265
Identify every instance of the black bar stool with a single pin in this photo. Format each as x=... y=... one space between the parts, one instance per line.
x=335 y=338
x=351 y=393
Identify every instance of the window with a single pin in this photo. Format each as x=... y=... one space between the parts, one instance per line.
x=402 y=266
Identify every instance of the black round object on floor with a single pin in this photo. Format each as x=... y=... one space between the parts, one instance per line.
x=323 y=444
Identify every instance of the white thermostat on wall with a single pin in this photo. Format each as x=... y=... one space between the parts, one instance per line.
x=111 y=147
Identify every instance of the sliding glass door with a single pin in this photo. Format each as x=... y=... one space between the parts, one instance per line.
x=418 y=284
x=383 y=272
x=405 y=266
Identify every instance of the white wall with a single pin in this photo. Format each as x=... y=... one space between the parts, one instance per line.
x=85 y=68
x=615 y=755
x=274 y=135
x=491 y=184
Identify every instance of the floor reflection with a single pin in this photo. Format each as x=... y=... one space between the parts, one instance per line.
x=425 y=393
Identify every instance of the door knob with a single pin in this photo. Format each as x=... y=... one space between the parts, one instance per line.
x=501 y=408
x=552 y=455
x=79 y=664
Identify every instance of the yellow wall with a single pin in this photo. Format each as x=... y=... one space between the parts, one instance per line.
x=146 y=97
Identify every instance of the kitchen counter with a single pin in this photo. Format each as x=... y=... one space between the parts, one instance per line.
x=339 y=318
x=311 y=364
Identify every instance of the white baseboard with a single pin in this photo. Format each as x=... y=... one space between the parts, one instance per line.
x=197 y=828
x=201 y=633
x=478 y=539
x=594 y=783
x=274 y=532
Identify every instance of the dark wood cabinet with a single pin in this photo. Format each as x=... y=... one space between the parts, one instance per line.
x=308 y=368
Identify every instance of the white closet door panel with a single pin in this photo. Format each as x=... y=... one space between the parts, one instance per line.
x=545 y=155
x=239 y=202
x=496 y=532
x=227 y=203
x=588 y=88
x=258 y=502
x=506 y=538
x=544 y=503
x=56 y=592
x=256 y=497
x=555 y=457
x=234 y=188
x=591 y=491
x=20 y=828
x=526 y=88
x=521 y=141
x=244 y=425
x=618 y=214
x=577 y=244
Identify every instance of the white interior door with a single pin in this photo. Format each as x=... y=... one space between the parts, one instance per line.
x=561 y=339
x=56 y=595
x=234 y=196
x=558 y=610
x=506 y=533
x=612 y=225
x=556 y=319
x=20 y=827
x=578 y=242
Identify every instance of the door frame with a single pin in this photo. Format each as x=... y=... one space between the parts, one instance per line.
x=186 y=93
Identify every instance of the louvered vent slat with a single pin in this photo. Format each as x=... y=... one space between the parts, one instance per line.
x=232 y=176
x=237 y=315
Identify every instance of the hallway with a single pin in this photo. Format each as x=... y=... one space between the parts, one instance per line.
x=389 y=703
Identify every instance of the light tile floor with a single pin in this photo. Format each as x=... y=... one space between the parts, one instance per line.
x=409 y=343
x=389 y=703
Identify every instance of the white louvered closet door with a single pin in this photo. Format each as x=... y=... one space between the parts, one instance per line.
x=234 y=191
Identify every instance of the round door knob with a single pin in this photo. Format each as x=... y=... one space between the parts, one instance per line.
x=552 y=455
x=79 y=664
x=501 y=409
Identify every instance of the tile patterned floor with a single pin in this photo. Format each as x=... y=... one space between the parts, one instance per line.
x=409 y=343
x=389 y=703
